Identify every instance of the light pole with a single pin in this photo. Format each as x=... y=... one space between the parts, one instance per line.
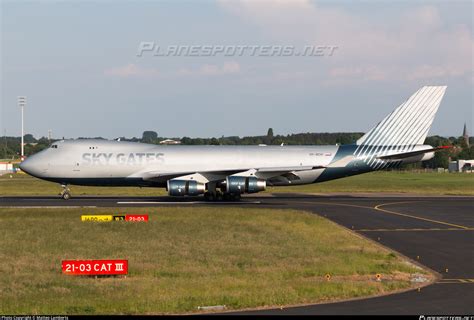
x=22 y=104
x=5 y=149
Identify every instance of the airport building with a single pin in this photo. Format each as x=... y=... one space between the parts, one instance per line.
x=6 y=167
x=461 y=166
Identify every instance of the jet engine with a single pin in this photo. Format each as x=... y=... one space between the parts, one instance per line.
x=185 y=187
x=238 y=185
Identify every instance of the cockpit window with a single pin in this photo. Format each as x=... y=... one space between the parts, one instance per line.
x=54 y=146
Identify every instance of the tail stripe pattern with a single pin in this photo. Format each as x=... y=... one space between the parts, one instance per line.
x=403 y=129
x=401 y=135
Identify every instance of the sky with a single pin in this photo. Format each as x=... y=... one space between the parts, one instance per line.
x=79 y=65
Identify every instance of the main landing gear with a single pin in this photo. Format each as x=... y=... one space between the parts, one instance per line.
x=221 y=196
x=213 y=194
x=66 y=193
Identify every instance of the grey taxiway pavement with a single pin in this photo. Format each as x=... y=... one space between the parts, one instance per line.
x=437 y=232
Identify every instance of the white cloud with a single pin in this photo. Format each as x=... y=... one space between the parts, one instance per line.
x=413 y=45
x=342 y=75
x=424 y=17
x=429 y=72
x=131 y=70
x=229 y=67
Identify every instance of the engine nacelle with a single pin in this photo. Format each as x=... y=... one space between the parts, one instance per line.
x=237 y=184
x=185 y=187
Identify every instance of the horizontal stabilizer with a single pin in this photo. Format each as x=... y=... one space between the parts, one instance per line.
x=404 y=155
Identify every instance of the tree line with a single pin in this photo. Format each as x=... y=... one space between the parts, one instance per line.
x=10 y=148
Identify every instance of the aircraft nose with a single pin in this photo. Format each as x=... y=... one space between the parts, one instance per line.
x=30 y=166
x=26 y=166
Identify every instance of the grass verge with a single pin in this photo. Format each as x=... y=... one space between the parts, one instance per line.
x=188 y=257
x=395 y=182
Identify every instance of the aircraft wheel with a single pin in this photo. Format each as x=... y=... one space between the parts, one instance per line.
x=234 y=196
x=209 y=196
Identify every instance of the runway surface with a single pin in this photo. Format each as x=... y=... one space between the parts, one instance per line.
x=437 y=232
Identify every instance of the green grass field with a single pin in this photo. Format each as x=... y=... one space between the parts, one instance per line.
x=404 y=182
x=25 y=185
x=187 y=257
x=397 y=182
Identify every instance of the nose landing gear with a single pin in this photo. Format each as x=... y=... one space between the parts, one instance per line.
x=66 y=193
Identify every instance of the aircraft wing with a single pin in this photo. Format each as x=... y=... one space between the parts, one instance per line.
x=289 y=169
x=206 y=176
x=163 y=176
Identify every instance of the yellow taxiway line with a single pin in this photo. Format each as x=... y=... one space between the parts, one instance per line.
x=378 y=208
x=453 y=226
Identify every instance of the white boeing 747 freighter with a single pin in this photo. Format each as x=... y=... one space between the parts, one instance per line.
x=227 y=172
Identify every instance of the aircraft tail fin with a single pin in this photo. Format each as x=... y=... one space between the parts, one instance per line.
x=408 y=124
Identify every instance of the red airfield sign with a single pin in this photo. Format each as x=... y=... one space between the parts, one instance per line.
x=95 y=267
